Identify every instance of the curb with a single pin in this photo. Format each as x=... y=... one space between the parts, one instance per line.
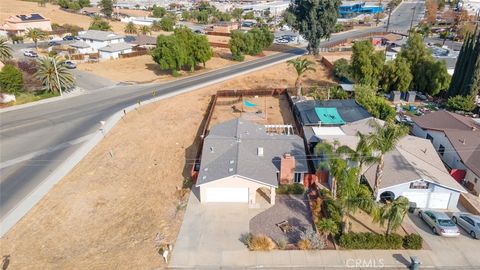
x=24 y=206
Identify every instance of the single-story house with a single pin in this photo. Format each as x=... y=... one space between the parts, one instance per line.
x=456 y=138
x=144 y=41
x=19 y=24
x=81 y=47
x=413 y=169
x=140 y=20
x=113 y=51
x=240 y=157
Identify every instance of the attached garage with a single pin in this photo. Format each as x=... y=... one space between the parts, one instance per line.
x=225 y=194
x=419 y=199
x=439 y=200
x=433 y=200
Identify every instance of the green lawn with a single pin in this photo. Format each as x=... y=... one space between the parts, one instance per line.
x=23 y=98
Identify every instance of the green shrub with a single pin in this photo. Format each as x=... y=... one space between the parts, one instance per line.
x=11 y=79
x=412 y=241
x=291 y=189
x=370 y=241
x=333 y=211
x=460 y=103
x=341 y=70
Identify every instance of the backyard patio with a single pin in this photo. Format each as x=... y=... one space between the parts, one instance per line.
x=285 y=220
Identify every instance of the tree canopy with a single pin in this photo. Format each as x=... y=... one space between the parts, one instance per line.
x=182 y=50
x=106 y=7
x=11 y=79
x=366 y=64
x=252 y=42
x=396 y=75
x=99 y=24
x=314 y=20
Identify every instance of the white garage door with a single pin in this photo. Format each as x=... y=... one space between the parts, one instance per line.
x=439 y=200
x=227 y=195
x=420 y=199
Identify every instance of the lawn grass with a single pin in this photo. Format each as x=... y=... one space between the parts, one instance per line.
x=23 y=98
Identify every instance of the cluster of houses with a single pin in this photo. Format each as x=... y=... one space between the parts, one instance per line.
x=429 y=167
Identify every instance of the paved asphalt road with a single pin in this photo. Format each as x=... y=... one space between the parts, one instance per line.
x=36 y=139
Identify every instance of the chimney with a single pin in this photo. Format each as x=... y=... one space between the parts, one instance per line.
x=287 y=169
x=260 y=151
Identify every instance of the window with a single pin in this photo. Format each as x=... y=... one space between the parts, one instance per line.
x=297 y=178
x=419 y=185
x=441 y=149
x=429 y=137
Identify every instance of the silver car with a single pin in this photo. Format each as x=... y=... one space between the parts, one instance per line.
x=470 y=223
x=440 y=223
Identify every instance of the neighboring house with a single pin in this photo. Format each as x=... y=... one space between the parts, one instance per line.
x=325 y=117
x=413 y=169
x=140 y=20
x=108 y=44
x=19 y=24
x=144 y=41
x=239 y=157
x=456 y=138
x=113 y=51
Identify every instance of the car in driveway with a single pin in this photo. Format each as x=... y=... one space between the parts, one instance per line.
x=70 y=64
x=53 y=43
x=440 y=223
x=470 y=223
x=30 y=54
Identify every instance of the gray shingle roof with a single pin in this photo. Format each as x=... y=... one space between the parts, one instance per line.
x=80 y=44
x=231 y=149
x=99 y=35
x=348 y=109
x=116 y=47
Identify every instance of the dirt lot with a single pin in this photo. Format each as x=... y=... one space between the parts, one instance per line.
x=107 y=212
x=142 y=69
x=53 y=12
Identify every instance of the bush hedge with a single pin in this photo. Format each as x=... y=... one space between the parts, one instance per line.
x=412 y=241
x=370 y=241
x=291 y=189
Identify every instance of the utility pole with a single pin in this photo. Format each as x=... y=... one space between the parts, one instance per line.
x=56 y=74
x=411 y=23
x=389 y=15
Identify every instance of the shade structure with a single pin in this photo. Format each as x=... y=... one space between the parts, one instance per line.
x=329 y=116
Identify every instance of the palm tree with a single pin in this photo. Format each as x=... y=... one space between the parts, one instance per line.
x=384 y=139
x=156 y=26
x=330 y=160
x=301 y=65
x=53 y=74
x=5 y=51
x=144 y=29
x=130 y=28
x=392 y=212
x=35 y=35
x=363 y=153
x=327 y=227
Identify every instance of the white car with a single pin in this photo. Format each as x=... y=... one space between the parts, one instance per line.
x=30 y=54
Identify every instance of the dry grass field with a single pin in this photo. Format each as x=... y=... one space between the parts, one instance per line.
x=107 y=212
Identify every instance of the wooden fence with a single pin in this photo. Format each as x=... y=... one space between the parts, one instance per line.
x=133 y=54
x=217 y=34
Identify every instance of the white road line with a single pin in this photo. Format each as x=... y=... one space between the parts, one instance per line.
x=29 y=156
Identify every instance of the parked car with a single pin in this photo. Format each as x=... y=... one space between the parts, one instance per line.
x=30 y=54
x=470 y=223
x=53 y=43
x=68 y=38
x=70 y=64
x=440 y=223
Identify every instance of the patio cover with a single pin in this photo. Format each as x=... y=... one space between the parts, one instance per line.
x=329 y=116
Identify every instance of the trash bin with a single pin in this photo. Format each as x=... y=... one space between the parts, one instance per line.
x=415 y=263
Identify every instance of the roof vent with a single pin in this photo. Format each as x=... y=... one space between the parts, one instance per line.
x=260 y=151
x=230 y=169
x=463 y=141
x=206 y=169
x=232 y=161
x=211 y=150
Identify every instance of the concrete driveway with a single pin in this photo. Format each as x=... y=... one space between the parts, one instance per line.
x=210 y=233
x=461 y=251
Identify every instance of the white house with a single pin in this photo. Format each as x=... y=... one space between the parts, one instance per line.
x=113 y=51
x=456 y=138
x=412 y=170
x=108 y=44
x=140 y=20
x=239 y=158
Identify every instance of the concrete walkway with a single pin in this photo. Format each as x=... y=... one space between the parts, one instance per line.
x=209 y=239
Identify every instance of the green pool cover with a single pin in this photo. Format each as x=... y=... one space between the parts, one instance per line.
x=329 y=116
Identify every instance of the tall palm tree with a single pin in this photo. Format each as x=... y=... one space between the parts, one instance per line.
x=5 y=51
x=144 y=29
x=301 y=66
x=130 y=28
x=384 y=139
x=53 y=74
x=327 y=227
x=330 y=158
x=35 y=35
x=393 y=212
